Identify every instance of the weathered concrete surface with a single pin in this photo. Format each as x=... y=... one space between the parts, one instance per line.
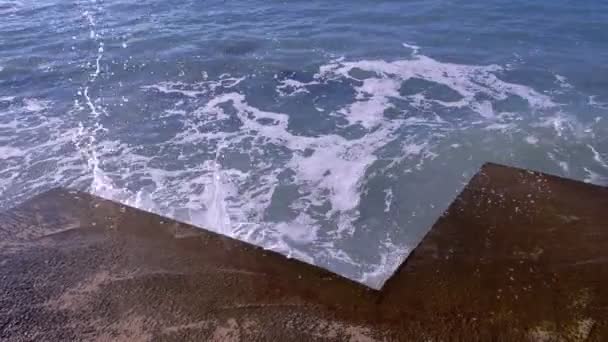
x=517 y=256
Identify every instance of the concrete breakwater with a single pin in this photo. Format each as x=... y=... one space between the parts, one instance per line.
x=519 y=255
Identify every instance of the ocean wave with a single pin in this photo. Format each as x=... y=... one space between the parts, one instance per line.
x=303 y=195
x=381 y=157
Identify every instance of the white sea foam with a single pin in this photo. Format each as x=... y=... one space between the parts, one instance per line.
x=598 y=157
x=391 y=256
x=592 y=101
x=466 y=80
x=10 y=152
x=503 y=127
x=29 y=138
x=563 y=82
x=532 y=140
x=388 y=199
x=231 y=179
x=290 y=87
x=594 y=177
x=327 y=170
x=35 y=105
x=561 y=163
x=415 y=48
x=196 y=89
x=560 y=122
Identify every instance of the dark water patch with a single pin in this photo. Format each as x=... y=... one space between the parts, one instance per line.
x=239 y=48
x=430 y=89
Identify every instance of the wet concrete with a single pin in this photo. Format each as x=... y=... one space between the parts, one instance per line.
x=518 y=256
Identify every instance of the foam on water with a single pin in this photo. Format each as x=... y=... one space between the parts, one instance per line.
x=355 y=198
x=35 y=105
x=327 y=174
x=35 y=149
x=595 y=103
x=598 y=157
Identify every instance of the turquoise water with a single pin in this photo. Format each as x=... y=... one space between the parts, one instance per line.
x=335 y=132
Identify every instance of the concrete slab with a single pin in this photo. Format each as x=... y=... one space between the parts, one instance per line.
x=518 y=256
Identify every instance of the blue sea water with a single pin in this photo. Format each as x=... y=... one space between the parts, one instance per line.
x=335 y=132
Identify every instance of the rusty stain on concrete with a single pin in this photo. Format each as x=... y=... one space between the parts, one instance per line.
x=518 y=256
